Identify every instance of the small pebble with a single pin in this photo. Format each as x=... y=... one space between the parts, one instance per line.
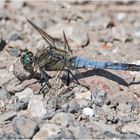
x=73 y=107
x=68 y=121
x=14 y=51
x=25 y=127
x=4 y=94
x=7 y=116
x=99 y=97
x=15 y=37
x=83 y=95
x=20 y=105
x=88 y=111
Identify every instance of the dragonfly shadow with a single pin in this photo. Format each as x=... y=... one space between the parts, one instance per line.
x=103 y=73
x=134 y=83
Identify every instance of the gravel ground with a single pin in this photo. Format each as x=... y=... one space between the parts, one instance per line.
x=106 y=30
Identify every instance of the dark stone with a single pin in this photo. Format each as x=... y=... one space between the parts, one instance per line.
x=2 y=44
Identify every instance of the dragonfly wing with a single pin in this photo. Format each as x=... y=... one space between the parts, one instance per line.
x=45 y=35
x=66 y=45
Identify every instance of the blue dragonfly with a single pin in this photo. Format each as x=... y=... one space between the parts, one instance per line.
x=53 y=58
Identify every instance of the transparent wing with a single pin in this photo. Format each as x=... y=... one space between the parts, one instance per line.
x=45 y=35
x=66 y=45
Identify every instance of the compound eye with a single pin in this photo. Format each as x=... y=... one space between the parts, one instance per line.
x=26 y=59
x=30 y=53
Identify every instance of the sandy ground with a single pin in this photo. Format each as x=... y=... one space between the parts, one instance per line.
x=101 y=31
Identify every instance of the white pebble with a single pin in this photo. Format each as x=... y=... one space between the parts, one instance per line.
x=88 y=111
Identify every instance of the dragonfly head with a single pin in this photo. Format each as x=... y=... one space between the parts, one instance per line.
x=27 y=59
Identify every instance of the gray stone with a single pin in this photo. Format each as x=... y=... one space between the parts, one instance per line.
x=105 y=129
x=73 y=107
x=48 y=131
x=83 y=102
x=66 y=134
x=65 y=107
x=81 y=132
x=113 y=104
x=51 y=102
x=106 y=38
x=78 y=90
x=26 y=93
x=68 y=121
x=20 y=105
x=7 y=116
x=5 y=75
x=13 y=51
x=14 y=85
x=109 y=114
x=96 y=115
x=128 y=117
x=99 y=97
x=131 y=127
x=4 y=95
x=132 y=136
x=49 y=114
x=124 y=107
x=2 y=106
x=25 y=127
x=15 y=36
x=36 y=107
x=14 y=136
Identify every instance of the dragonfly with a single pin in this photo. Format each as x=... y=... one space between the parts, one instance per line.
x=53 y=58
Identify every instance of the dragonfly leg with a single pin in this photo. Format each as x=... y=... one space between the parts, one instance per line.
x=43 y=78
x=69 y=72
x=68 y=78
x=44 y=86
